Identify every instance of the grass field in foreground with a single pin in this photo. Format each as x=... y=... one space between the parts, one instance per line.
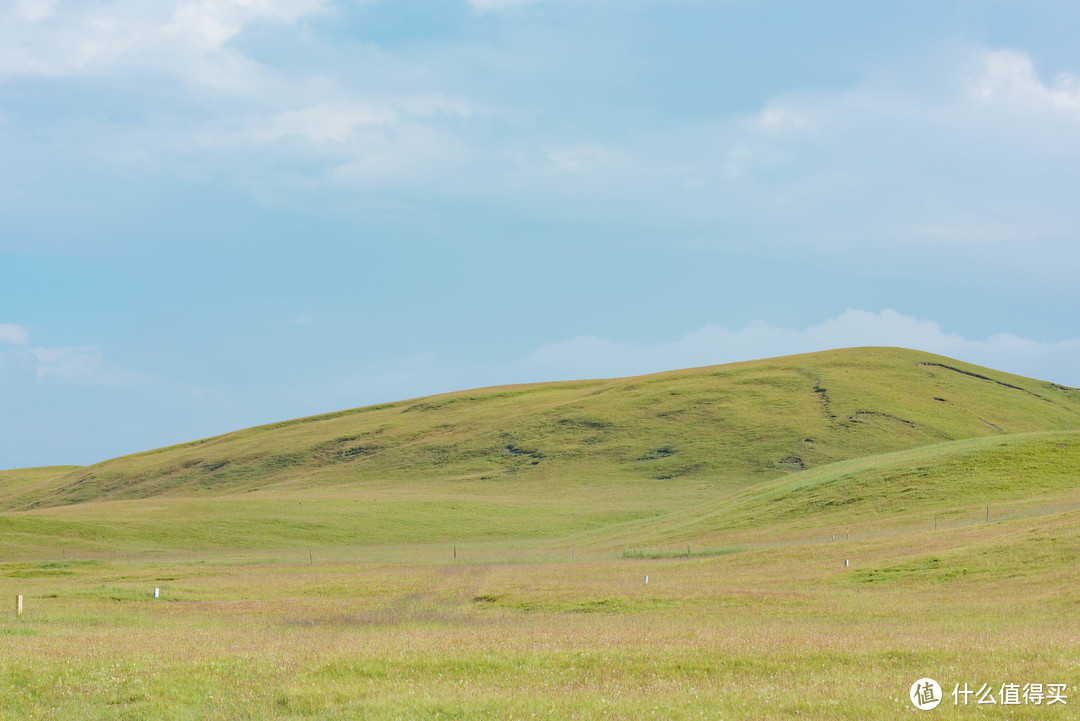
x=783 y=632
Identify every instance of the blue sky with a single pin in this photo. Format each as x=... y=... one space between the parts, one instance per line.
x=218 y=213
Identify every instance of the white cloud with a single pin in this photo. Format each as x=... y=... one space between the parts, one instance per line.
x=82 y=365
x=980 y=230
x=967 y=146
x=580 y=158
x=780 y=117
x=34 y=10
x=187 y=40
x=320 y=124
x=590 y=356
x=498 y=5
x=76 y=365
x=216 y=21
x=1010 y=76
x=976 y=149
x=405 y=153
x=11 y=333
x=340 y=122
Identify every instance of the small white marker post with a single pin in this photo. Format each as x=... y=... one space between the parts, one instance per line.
x=18 y=605
x=845 y=563
x=157 y=592
x=646 y=582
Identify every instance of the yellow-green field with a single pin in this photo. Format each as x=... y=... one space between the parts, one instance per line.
x=484 y=554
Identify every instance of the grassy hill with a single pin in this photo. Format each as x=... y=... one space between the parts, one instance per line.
x=715 y=456
x=29 y=482
x=725 y=426
x=946 y=485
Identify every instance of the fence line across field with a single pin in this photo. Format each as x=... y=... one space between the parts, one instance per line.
x=929 y=520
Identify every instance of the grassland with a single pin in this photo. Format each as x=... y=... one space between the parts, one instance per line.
x=484 y=554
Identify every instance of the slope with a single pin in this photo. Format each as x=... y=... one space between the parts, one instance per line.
x=1031 y=479
x=23 y=482
x=947 y=485
x=720 y=427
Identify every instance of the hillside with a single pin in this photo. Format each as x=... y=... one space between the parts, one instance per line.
x=945 y=485
x=721 y=428
x=28 y=482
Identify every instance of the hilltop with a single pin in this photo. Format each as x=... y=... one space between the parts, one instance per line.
x=722 y=428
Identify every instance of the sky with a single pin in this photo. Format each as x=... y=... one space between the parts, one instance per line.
x=220 y=213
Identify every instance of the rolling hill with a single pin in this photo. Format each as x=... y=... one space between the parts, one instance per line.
x=713 y=455
x=726 y=426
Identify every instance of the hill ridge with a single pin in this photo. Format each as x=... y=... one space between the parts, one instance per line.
x=726 y=426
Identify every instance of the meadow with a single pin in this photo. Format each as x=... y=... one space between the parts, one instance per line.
x=439 y=572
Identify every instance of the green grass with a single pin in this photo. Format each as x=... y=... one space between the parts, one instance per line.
x=29 y=482
x=954 y=483
x=725 y=426
x=768 y=632
x=482 y=555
